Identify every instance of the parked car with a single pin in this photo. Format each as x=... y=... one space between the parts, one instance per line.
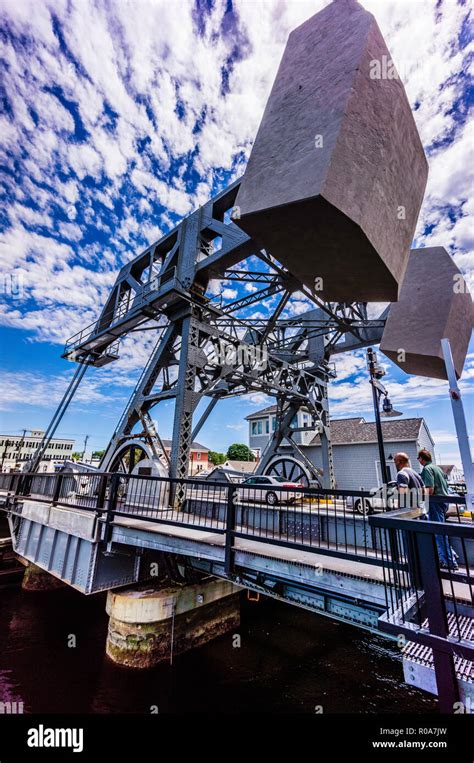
x=459 y=488
x=380 y=499
x=260 y=489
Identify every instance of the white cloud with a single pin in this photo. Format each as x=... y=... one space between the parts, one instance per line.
x=137 y=83
x=229 y=293
x=14 y=385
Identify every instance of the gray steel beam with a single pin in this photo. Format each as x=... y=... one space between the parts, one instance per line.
x=186 y=401
x=210 y=407
x=130 y=416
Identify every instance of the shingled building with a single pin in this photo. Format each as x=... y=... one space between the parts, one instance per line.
x=355 y=448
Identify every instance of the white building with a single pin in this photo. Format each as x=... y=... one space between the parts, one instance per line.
x=354 y=444
x=16 y=450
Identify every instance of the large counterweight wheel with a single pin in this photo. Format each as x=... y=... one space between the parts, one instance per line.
x=127 y=456
x=291 y=469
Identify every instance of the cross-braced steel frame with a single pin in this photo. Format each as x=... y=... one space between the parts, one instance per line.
x=209 y=348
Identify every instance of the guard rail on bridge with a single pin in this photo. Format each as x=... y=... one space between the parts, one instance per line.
x=430 y=606
x=321 y=520
x=304 y=518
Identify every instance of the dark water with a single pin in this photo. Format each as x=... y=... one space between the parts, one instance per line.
x=289 y=661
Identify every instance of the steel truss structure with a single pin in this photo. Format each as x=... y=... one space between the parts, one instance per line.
x=208 y=349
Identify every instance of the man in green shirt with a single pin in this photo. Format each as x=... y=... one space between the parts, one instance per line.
x=436 y=484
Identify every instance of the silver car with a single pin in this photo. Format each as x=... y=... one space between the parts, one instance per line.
x=260 y=489
x=380 y=499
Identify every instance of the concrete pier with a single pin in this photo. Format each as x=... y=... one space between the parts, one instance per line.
x=150 y=624
x=36 y=579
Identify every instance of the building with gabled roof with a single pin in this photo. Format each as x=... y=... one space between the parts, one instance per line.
x=354 y=441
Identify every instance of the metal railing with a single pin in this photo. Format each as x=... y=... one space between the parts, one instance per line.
x=324 y=521
x=429 y=586
x=334 y=523
x=108 y=320
x=429 y=602
x=9 y=481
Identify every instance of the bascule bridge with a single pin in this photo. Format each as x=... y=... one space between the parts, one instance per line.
x=327 y=208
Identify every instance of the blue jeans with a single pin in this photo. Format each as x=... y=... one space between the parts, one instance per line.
x=437 y=513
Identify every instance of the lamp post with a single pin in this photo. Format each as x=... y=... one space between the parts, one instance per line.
x=378 y=390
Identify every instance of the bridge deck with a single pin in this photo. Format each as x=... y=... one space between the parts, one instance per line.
x=339 y=565
x=258 y=547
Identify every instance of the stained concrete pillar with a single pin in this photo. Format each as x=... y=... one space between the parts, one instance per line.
x=149 y=624
x=36 y=579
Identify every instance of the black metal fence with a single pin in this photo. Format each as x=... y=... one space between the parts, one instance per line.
x=429 y=585
x=331 y=522
x=303 y=518
x=427 y=565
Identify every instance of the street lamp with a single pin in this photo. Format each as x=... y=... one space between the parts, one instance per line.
x=388 y=411
x=378 y=390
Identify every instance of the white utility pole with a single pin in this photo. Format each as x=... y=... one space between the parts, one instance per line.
x=460 y=424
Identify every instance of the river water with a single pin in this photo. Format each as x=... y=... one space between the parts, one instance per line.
x=290 y=660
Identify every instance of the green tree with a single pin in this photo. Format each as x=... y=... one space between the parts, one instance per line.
x=97 y=454
x=240 y=452
x=76 y=456
x=216 y=458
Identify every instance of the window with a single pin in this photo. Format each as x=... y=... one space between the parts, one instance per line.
x=273 y=423
x=198 y=456
x=267 y=426
x=257 y=427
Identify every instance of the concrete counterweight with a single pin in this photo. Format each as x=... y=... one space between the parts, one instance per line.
x=336 y=175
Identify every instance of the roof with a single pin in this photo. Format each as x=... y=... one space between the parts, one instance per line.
x=358 y=430
x=241 y=466
x=194 y=445
x=27 y=437
x=447 y=468
x=263 y=412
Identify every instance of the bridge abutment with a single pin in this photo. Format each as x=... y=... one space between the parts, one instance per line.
x=152 y=623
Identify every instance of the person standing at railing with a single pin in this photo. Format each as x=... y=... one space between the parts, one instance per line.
x=434 y=480
x=409 y=483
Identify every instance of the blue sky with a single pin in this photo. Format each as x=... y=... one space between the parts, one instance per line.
x=120 y=118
